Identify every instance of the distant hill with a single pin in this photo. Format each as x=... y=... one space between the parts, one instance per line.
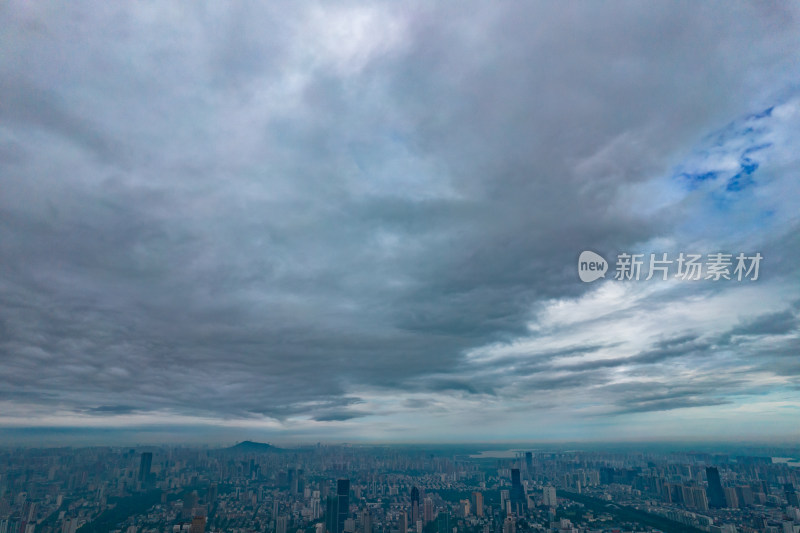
x=249 y=446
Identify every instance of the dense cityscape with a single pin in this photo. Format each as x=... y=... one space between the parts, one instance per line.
x=255 y=487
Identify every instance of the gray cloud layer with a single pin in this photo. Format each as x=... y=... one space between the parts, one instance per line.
x=268 y=210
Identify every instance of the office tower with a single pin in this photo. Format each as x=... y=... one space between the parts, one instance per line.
x=549 y=497
x=342 y=503
x=517 y=493
x=443 y=523
x=213 y=491
x=331 y=513
x=477 y=500
x=198 y=525
x=145 y=463
x=428 y=516
x=414 y=505
x=291 y=481
x=402 y=522
x=716 y=497
x=281 y=524
x=529 y=462
x=504 y=497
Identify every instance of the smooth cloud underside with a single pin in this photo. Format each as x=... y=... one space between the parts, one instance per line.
x=352 y=221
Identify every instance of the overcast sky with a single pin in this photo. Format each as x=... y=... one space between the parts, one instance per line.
x=361 y=221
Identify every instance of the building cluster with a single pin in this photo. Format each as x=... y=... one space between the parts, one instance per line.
x=360 y=489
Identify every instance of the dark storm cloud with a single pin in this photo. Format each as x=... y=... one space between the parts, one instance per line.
x=222 y=214
x=113 y=410
x=338 y=416
x=670 y=404
x=778 y=323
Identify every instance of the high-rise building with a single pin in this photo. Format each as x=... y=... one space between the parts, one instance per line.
x=316 y=505
x=687 y=496
x=443 y=523
x=477 y=501
x=518 y=498
x=414 y=505
x=549 y=497
x=189 y=503
x=213 y=491
x=716 y=497
x=281 y=524
x=332 y=513
x=700 y=500
x=145 y=464
x=402 y=522
x=198 y=525
x=529 y=462
x=428 y=514
x=342 y=503
x=744 y=493
x=731 y=500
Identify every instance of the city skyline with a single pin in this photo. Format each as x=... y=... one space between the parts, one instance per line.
x=300 y=223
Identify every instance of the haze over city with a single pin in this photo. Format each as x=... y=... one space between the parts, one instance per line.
x=361 y=222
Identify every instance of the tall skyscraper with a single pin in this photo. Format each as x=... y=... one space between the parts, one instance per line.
x=332 y=513
x=529 y=462
x=145 y=464
x=402 y=522
x=443 y=522
x=428 y=512
x=716 y=496
x=342 y=503
x=477 y=501
x=414 y=505
x=213 y=492
x=518 y=499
